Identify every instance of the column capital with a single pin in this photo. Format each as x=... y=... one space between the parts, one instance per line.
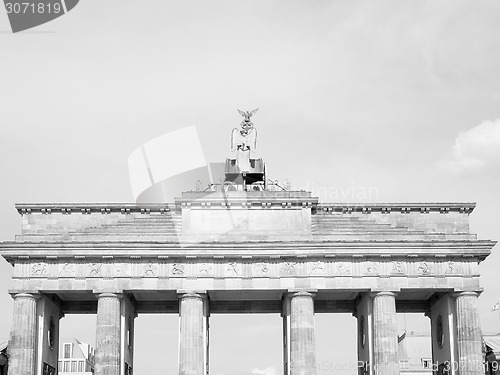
x=384 y=293
x=467 y=293
x=106 y=294
x=25 y=294
x=302 y=293
x=181 y=293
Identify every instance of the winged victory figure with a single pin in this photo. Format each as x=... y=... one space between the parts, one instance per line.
x=244 y=141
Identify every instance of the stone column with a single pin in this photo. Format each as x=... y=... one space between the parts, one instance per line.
x=193 y=340
x=285 y=314
x=107 y=352
x=302 y=340
x=443 y=334
x=22 y=346
x=385 y=335
x=49 y=314
x=364 y=314
x=469 y=338
x=128 y=316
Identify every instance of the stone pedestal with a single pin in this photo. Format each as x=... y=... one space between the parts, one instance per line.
x=385 y=343
x=469 y=338
x=245 y=215
x=193 y=336
x=107 y=357
x=300 y=336
x=22 y=346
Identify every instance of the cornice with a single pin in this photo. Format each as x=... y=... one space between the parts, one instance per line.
x=396 y=249
x=405 y=208
x=93 y=208
x=249 y=202
x=253 y=244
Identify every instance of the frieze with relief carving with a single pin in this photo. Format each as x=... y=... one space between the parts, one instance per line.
x=233 y=269
x=257 y=268
x=205 y=269
x=39 y=269
x=288 y=268
x=260 y=269
x=453 y=268
x=425 y=268
x=316 y=268
x=370 y=269
x=150 y=269
x=67 y=269
x=398 y=267
x=94 y=269
x=344 y=269
x=178 y=269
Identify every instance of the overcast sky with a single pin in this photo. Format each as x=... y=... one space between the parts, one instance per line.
x=400 y=99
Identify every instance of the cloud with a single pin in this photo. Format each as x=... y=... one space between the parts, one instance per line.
x=475 y=149
x=267 y=371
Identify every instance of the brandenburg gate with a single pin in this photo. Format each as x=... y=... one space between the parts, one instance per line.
x=246 y=247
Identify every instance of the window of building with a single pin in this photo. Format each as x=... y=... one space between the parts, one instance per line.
x=60 y=366
x=81 y=366
x=48 y=369
x=90 y=356
x=74 y=366
x=67 y=350
x=426 y=363
x=403 y=364
x=66 y=366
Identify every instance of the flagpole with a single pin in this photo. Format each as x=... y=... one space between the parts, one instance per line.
x=496 y=307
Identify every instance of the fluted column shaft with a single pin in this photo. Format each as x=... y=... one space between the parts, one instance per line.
x=22 y=346
x=469 y=339
x=107 y=357
x=302 y=340
x=385 y=337
x=192 y=343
